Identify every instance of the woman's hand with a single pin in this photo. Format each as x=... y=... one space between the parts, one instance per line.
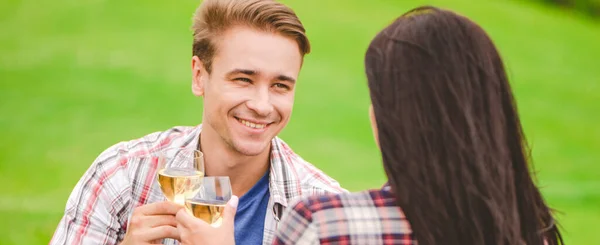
x=194 y=231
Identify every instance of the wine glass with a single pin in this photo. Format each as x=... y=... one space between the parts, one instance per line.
x=209 y=203
x=180 y=173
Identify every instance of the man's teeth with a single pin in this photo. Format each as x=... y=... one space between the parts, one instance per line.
x=252 y=125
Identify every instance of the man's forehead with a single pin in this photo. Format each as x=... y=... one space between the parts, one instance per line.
x=253 y=63
x=251 y=49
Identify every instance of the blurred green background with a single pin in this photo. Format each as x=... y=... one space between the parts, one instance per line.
x=80 y=75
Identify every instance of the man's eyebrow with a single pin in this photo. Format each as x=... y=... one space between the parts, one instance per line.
x=286 y=78
x=242 y=71
x=249 y=72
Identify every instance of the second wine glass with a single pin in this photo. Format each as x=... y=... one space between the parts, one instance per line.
x=209 y=203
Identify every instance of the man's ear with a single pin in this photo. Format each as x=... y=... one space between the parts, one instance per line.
x=199 y=76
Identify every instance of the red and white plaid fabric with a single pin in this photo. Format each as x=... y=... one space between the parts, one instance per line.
x=368 y=217
x=124 y=177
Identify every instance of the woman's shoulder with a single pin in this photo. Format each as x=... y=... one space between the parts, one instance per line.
x=355 y=217
x=374 y=200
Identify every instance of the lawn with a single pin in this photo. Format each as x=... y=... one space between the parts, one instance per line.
x=79 y=76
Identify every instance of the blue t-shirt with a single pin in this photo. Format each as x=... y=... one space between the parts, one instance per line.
x=251 y=211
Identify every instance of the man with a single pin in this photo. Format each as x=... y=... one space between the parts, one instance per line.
x=247 y=55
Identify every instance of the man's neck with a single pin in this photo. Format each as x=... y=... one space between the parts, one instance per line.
x=221 y=160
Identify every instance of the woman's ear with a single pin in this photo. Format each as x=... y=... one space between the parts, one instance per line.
x=374 y=125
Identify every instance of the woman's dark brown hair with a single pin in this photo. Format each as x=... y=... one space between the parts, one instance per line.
x=452 y=144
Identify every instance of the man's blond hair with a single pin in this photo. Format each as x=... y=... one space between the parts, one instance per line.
x=213 y=17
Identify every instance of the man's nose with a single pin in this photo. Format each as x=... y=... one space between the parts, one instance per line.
x=261 y=103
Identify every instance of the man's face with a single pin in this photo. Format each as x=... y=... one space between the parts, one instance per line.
x=249 y=94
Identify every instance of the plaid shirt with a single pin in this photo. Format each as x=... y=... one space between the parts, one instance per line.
x=124 y=177
x=368 y=217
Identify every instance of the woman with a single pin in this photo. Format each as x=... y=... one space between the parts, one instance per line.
x=452 y=146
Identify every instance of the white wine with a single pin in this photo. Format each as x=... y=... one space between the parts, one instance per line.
x=178 y=184
x=211 y=211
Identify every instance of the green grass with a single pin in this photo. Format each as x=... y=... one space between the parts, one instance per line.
x=79 y=76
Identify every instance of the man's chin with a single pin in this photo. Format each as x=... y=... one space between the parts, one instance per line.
x=251 y=148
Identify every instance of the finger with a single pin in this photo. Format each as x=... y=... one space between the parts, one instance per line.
x=160 y=232
x=186 y=220
x=230 y=210
x=157 y=241
x=160 y=208
x=159 y=220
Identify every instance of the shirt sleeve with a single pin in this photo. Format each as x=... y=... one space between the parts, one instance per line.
x=96 y=211
x=296 y=226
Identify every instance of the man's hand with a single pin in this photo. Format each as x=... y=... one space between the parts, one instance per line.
x=152 y=222
x=195 y=231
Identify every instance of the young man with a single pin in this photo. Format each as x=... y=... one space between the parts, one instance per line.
x=246 y=58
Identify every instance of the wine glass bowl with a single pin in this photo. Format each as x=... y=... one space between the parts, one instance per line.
x=180 y=173
x=209 y=203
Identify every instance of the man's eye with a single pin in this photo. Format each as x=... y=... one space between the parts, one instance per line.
x=281 y=85
x=243 y=79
